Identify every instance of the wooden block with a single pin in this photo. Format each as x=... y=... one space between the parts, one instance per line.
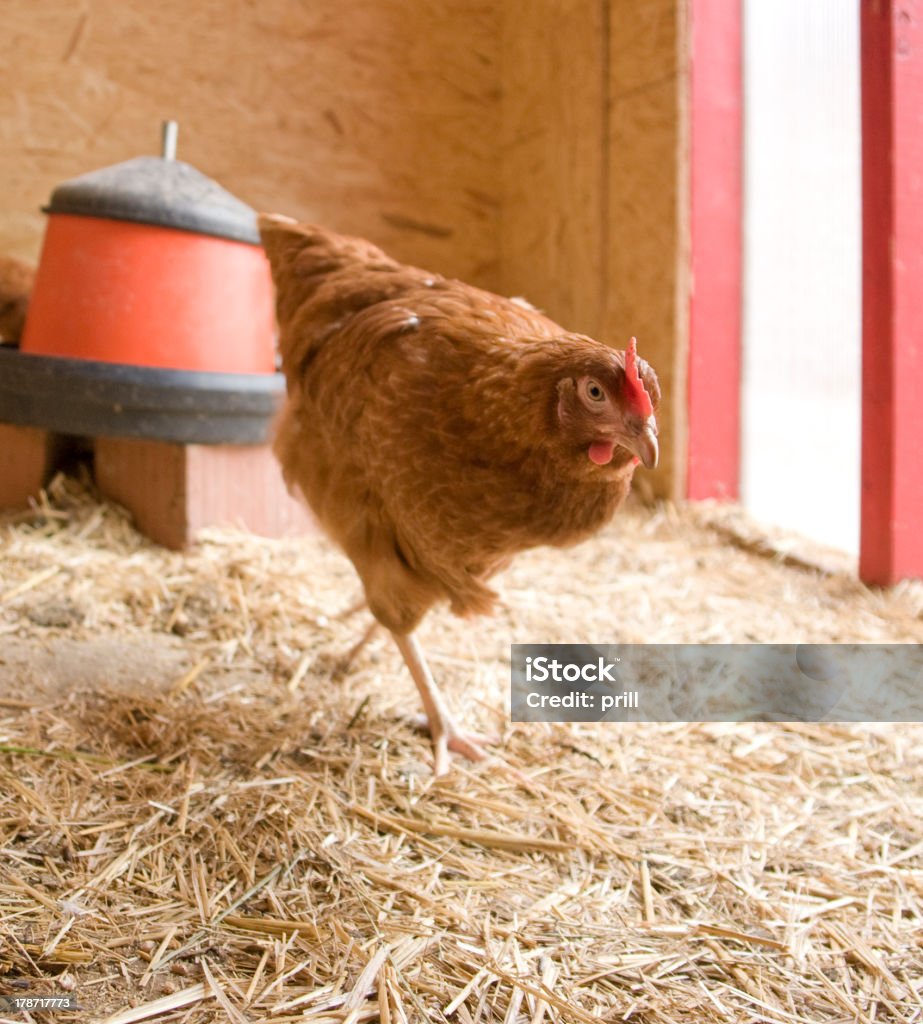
x=174 y=490
x=25 y=464
x=241 y=485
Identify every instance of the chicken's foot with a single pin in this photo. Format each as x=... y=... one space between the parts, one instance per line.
x=446 y=734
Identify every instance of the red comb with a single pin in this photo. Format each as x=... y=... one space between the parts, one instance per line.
x=639 y=396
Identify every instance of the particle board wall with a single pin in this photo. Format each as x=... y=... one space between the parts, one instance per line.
x=529 y=146
x=648 y=246
x=593 y=219
x=554 y=210
x=378 y=116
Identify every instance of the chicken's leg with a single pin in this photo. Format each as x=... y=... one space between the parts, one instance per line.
x=350 y=610
x=442 y=727
x=350 y=656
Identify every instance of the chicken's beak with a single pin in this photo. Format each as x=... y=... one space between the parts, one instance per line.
x=643 y=443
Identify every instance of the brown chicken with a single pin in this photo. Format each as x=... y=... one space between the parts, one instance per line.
x=16 y=280
x=436 y=429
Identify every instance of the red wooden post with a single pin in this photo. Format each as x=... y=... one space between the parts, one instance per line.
x=716 y=140
x=891 y=546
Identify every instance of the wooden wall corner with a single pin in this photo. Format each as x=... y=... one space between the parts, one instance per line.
x=593 y=221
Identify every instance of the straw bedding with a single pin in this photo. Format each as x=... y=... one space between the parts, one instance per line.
x=204 y=817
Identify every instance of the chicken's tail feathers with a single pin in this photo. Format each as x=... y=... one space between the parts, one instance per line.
x=276 y=228
x=307 y=260
x=317 y=249
x=285 y=239
x=270 y=220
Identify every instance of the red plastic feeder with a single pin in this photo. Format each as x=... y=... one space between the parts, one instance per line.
x=150 y=336
x=151 y=263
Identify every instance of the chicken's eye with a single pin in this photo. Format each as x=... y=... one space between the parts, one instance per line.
x=595 y=392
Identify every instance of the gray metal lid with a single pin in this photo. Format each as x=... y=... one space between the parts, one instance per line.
x=158 y=190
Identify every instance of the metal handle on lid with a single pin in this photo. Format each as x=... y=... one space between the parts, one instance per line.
x=169 y=132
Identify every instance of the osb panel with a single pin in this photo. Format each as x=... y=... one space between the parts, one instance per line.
x=592 y=219
x=531 y=147
x=646 y=242
x=553 y=214
x=380 y=117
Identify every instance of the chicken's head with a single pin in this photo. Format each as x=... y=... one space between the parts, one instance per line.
x=608 y=403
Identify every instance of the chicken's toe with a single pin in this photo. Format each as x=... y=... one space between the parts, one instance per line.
x=470 y=745
x=447 y=736
x=457 y=745
x=449 y=739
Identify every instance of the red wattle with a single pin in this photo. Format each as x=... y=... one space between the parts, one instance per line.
x=600 y=452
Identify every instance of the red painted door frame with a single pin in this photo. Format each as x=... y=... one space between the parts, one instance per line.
x=891 y=545
x=892 y=258
x=716 y=157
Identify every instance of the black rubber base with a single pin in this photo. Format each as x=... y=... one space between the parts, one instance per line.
x=92 y=399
